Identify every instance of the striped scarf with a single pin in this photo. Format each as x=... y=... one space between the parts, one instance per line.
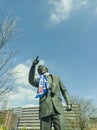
x=43 y=86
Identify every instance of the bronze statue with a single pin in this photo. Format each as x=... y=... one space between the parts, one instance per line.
x=50 y=103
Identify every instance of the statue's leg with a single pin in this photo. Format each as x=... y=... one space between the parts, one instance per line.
x=45 y=123
x=58 y=120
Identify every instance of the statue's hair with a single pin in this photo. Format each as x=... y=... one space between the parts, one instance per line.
x=45 y=67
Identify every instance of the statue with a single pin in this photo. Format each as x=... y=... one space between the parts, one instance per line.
x=49 y=87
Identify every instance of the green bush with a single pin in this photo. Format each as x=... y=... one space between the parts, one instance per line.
x=4 y=128
x=24 y=128
x=1 y=120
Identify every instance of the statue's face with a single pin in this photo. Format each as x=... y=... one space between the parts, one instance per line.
x=42 y=69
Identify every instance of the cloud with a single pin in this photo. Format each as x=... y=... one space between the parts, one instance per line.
x=62 y=9
x=22 y=72
x=24 y=93
x=22 y=97
x=21 y=76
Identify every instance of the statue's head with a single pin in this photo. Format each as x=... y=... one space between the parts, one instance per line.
x=42 y=69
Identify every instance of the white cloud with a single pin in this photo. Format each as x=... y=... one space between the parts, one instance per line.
x=62 y=9
x=22 y=96
x=25 y=93
x=22 y=72
x=21 y=76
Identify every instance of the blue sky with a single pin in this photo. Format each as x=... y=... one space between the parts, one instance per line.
x=64 y=35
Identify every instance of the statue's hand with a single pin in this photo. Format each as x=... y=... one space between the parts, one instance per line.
x=36 y=61
x=69 y=107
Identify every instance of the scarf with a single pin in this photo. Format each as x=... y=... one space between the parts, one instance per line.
x=43 y=86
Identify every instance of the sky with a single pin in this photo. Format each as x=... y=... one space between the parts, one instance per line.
x=63 y=33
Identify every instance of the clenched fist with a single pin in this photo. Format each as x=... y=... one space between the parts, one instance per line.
x=36 y=61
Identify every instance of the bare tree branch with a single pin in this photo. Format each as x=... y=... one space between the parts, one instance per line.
x=8 y=31
x=87 y=110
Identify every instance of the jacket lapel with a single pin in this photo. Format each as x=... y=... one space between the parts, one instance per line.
x=53 y=83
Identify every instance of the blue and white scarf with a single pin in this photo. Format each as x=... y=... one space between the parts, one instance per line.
x=43 y=86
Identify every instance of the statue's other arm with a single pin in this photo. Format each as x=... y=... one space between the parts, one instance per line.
x=65 y=95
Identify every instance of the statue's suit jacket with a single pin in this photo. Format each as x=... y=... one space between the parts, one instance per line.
x=52 y=98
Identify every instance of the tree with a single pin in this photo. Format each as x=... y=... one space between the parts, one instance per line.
x=8 y=31
x=86 y=111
